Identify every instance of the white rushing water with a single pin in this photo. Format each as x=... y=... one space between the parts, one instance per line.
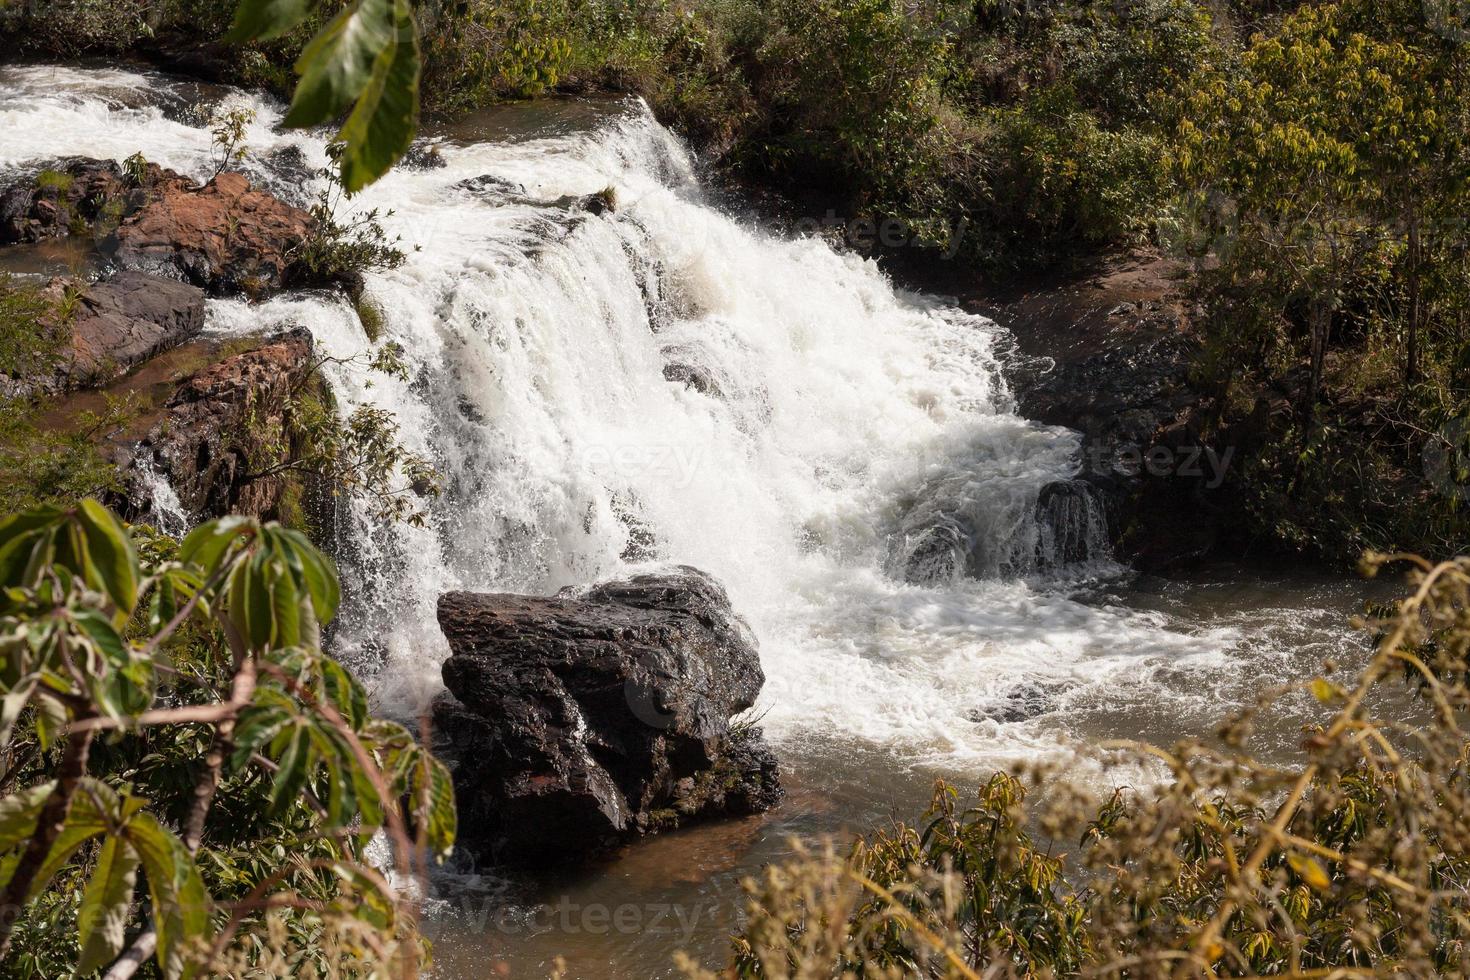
x=849 y=464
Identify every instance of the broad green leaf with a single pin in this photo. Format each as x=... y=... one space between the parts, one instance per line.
x=319 y=578
x=114 y=564
x=181 y=905
x=440 y=822
x=296 y=764
x=13 y=703
x=261 y=20
x=103 y=918
x=51 y=720
x=335 y=67
x=18 y=814
x=257 y=726
x=285 y=610
x=381 y=126
x=99 y=630
x=344 y=692
x=25 y=544
x=206 y=544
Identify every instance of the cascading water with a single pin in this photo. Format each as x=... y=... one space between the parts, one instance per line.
x=665 y=383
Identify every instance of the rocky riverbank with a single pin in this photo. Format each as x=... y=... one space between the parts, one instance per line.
x=576 y=722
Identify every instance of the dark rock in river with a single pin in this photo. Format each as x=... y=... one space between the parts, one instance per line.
x=423 y=156
x=226 y=429
x=72 y=193
x=1022 y=703
x=225 y=237
x=582 y=720
x=124 y=321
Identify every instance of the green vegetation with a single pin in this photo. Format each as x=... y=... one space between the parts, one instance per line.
x=1353 y=861
x=151 y=685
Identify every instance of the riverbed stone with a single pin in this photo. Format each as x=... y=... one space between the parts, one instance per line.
x=581 y=720
x=226 y=237
x=226 y=430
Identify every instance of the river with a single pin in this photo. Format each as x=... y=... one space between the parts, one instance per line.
x=675 y=382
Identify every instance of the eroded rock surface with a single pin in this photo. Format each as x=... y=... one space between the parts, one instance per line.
x=584 y=719
x=125 y=320
x=226 y=237
x=226 y=428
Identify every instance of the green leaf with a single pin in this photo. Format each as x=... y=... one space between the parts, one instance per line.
x=296 y=766
x=114 y=565
x=261 y=20
x=1309 y=870
x=441 y=821
x=319 y=578
x=286 y=610
x=13 y=703
x=18 y=814
x=103 y=918
x=381 y=126
x=181 y=905
x=257 y=726
x=335 y=67
x=206 y=544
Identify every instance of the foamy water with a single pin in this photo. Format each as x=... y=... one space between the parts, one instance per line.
x=841 y=421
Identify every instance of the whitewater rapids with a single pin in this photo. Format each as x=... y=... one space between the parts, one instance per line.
x=831 y=408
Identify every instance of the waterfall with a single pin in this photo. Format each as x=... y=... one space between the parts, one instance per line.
x=666 y=382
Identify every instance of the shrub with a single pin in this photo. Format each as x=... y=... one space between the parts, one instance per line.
x=151 y=685
x=1353 y=860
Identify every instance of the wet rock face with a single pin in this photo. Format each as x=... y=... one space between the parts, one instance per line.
x=226 y=237
x=579 y=721
x=124 y=321
x=52 y=201
x=227 y=426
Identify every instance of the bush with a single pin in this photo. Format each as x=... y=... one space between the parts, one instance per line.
x=1355 y=858
x=151 y=685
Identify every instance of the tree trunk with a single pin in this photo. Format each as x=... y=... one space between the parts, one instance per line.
x=1411 y=352
x=48 y=827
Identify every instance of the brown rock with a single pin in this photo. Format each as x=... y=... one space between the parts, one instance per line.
x=227 y=427
x=579 y=721
x=126 y=320
x=226 y=237
x=79 y=189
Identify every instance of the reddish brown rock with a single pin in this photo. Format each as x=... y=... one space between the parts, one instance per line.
x=226 y=237
x=227 y=429
x=76 y=190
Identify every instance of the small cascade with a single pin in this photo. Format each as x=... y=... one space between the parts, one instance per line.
x=1072 y=522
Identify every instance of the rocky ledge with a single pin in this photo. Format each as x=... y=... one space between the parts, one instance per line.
x=225 y=236
x=582 y=720
x=1109 y=353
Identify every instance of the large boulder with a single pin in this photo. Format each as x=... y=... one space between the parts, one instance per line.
x=225 y=237
x=127 y=319
x=225 y=432
x=581 y=720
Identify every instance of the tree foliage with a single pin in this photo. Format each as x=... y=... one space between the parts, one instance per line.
x=141 y=678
